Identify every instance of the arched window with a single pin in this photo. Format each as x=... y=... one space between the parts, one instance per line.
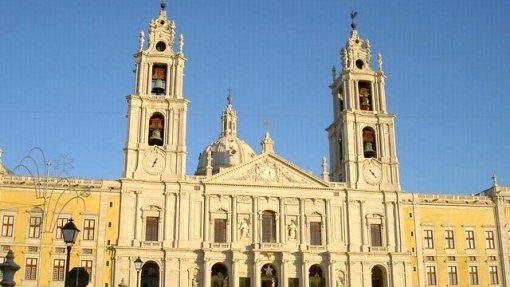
x=369 y=147
x=158 y=79
x=268 y=226
x=156 y=129
x=219 y=275
x=315 y=276
x=365 y=97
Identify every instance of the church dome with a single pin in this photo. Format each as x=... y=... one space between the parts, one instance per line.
x=225 y=152
x=228 y=150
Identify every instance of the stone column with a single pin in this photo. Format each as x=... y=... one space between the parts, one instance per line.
x=234 y=277
x=206 y=219
x=363 y=226
x=138 y=220
x=390 y=233
x=167 y=225
x=283 y=232
x=283 y=276
x=256 y=272
x=254 y=223
x=207 y=273
x=233 y=235
x=302 y=222
x=304 y=274
x=328 y=222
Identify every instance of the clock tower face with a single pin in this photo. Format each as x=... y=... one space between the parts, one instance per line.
x=372 y=172
x=154 y=162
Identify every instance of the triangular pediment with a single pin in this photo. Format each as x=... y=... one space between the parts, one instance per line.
x=268 y=170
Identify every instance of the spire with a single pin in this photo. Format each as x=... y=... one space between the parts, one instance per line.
x=324 y=165
x=267 y=144
x=356 y=55
x=229 y=118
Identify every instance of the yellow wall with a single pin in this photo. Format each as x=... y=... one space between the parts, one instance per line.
x=20 y=199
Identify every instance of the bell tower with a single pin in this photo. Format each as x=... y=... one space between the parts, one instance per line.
x=362 y=136
x=156 y=133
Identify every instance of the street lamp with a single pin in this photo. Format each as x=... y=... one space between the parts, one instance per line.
x=70 y=233
x=138 y=266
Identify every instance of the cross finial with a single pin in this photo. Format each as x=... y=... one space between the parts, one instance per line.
x=267 y=124
x=229 y=97
x=494 y=180
x=353 y=15
x=163 y=5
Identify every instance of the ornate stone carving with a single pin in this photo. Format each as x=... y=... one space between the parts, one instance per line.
x=292 y=230
x=244 y=229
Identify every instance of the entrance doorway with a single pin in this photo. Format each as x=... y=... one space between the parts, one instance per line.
x=219 y=275
x=315 y=276
x=268 y=276
x=378 y=276
x=150 y=275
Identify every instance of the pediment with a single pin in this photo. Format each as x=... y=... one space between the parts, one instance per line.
x=267 y=170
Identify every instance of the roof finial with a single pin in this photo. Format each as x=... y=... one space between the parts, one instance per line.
x=353 y=15
x=163 y=5
x=229 y=97
x=494 y=180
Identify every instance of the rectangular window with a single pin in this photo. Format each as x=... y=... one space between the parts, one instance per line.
x=244 y=282
x=489 y=239
x=452 y=275
x=151 y=228
x=220 y=230
x=470 y=239
x=449 y=239
x=58 y=229
x=268 y=227
x=87 y=265
x=34 y=229
x=88 y=229
x=58 y=269
x=7 y=225
x=429 y=239
x=431 y=275
x=293 y=282
x=473 y=275
x=376 y=234
x=493 y=274
x=315 y=233
x=31 y=269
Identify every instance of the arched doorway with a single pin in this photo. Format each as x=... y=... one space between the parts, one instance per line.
x=315 y=276
x=268 y=276
x=150 y=275
x=219 y=275
x=378 y=276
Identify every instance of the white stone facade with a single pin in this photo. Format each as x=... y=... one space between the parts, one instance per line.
x=256 y=216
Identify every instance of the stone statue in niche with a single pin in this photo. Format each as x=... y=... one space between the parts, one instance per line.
x=225 y=282
x=292 y=228
x=244 y=228
x=194 y=282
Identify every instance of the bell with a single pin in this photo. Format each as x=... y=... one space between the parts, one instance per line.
x=155 y=138
x=369 y=149
x=158 y=88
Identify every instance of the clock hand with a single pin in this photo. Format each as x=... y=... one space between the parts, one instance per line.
x=372 y=173
x=154 y=163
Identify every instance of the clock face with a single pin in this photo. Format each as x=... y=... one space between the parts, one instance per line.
x=154 y=162
x=372 y=173
x=267 y=173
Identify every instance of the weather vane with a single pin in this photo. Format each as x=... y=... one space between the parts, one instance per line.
x=353 y=15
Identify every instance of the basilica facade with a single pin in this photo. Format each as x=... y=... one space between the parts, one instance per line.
x=245 y=219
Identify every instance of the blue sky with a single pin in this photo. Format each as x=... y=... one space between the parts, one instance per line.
x=67 y=68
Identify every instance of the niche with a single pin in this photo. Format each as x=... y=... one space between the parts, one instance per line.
x=158 y=79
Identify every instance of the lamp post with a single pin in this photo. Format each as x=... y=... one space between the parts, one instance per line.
x=138 y=266
x=70 y=233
